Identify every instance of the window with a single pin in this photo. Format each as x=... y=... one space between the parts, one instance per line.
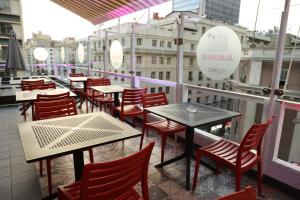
x=153 y=74
x=109 y=43
x=161 y=75
x=153 y=59
x=198 y=99
x=189 y=91
x=215 y=98
x=242 y=38
x=154 y=43
x=190 y=76
x=231 y=76
x=203 y=30
x=169 y=59
x=161 y=60
x=99 y=44
x=162 y=43
x=116 y=78
x=216 y=85
x=138 y=73
x=139 y=41
x=191 y=61
x=168 y=74
x=167 y=90
x=169 y=44
x=207 y=99
x=123 y=41
x=152 y=90
x=192 y=47
x=207 y=85
x=139 y=59
x=200 y=76
x=160 y=89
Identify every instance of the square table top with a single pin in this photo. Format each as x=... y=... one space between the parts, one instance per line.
x=80 y=79
x=110 y=88
x=30 y=95
x=202 y=114
x=64 y=135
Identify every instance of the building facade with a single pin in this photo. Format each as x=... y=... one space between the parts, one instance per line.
x=226 y=10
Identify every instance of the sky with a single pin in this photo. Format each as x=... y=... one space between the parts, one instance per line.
x=51 y=19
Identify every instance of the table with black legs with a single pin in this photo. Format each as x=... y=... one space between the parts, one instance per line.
x=51 y=138
x=191 y=115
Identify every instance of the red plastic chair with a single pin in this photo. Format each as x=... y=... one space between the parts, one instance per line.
x=246 y=194
x=52 y=97
x=131 y=103
x=52 y=109
x=43 y=86
x=239 y=158
x=114 y=180
x=89 y=94
x=163 y=127
x=100 y=100
x=26 y=85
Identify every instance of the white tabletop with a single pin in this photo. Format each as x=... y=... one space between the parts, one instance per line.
x=110 y=88
x=80 y=79
x=30 y=95
x=68 y=134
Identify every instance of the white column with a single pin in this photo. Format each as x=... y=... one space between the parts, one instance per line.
x=255 y=72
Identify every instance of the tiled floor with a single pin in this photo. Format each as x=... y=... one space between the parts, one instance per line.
x=20 y=180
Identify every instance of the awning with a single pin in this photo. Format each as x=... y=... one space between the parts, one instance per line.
x=99 y=11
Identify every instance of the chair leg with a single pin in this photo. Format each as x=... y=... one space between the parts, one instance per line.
x=91 y=155
x=41 y=168
x=217 y=171
x=198 y=158
x=238 y=176
x=92 y=105
x=163 y=144
x=48 y=161
x=142 y=137
x=259 y=177
x=87 y=105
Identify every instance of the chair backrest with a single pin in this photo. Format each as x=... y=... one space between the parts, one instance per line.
x=253 y=138
x=25 y=85
x=246 y=194
x=52 y=109
x=43 y=86
x=154 y=99
x=110 y=180
x=76 y=75
x=132 y=96
x=54 y=97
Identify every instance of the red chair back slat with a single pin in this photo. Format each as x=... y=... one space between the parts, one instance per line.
x=132 y=96
x=44 y=86
x=253 y=139
x=52 y=109
x=110 y=180
x=154 y=99
x=246 y=194
x=25 y=85
x=55 y=97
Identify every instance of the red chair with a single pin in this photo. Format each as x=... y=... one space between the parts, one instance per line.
x=246 y=194
x=89 y=94
x=131 y=104
x=52 y=109
x=114 y=180
x=239 y=158
x=163 y=127
x=100 y=100
x=52 y=97
x=26 y=85
x=43 y=86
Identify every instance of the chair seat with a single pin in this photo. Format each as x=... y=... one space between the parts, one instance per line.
x=166 y=126
x=225 y=151
x=72 y=191
x=130 y=109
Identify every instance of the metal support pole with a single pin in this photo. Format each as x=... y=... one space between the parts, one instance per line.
x=105 y=48
x=279 y=56
x=179 y=61
x=132 y=59
x=89 y=55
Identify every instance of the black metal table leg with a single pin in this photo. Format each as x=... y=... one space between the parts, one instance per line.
x=189 y=137
x=78 y=164
x=116 y=99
